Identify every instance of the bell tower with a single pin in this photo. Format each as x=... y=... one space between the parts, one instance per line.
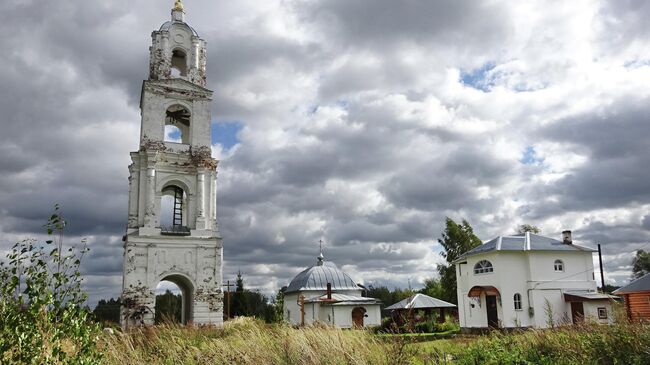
x=172 y=233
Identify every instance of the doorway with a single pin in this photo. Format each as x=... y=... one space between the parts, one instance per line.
x=491 y=307
x=174 y=296
x=358 y=314
x=577 y=312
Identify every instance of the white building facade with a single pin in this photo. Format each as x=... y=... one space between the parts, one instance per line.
x=528 y=280
x=328 y=295
x=180 y=241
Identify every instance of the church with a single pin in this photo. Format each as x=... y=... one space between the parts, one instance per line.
x=324 y=293
x=172 y=232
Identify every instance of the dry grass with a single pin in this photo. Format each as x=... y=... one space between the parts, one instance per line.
x=247 y=341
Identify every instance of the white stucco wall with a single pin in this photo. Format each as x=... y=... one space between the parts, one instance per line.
x=532 y=275
x=338 y=315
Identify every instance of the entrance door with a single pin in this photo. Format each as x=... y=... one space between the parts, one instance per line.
x=577 y=312
x=357 y=317
x=491 y=306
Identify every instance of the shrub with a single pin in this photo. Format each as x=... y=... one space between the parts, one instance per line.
x=40 y=304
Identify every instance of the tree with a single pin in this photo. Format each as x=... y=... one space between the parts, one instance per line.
x=239 y=303
x=278 y=305
x=168 y=307
x=528 y=228
x=108 y=311
x=433 y=288
x=641 y=264
x=42 y=318
x=456 y=240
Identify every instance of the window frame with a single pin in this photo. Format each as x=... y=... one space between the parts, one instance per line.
x=516 y=299
x=559 y=263
x=483 y=267
x=602 y=312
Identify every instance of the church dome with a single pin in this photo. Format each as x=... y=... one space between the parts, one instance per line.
x=317 y=277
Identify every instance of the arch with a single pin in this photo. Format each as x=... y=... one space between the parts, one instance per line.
x=558 y=265
x=358 y=313
x=180 y=181
x=179 y=117
x=187 y=287
x=517 y=301
x=483 y=267
x=179 y=63
x=173 y=211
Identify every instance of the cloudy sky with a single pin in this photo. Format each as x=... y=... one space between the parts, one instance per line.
x=363 y=123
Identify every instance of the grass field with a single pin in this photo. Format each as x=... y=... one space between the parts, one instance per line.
x=247 y=341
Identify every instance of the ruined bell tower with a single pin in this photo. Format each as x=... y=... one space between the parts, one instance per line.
x=172 y=231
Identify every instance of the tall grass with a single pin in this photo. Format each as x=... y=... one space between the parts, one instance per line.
x=246 y=341
x=622 y=343
x=249 y=341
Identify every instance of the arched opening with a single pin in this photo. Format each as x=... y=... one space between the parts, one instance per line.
x=177 y=124
x=173 y=211
x=179 y=63
x=169 y=303
x=174 y=300
x=358 y=314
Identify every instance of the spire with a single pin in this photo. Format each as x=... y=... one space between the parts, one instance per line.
x=178 y=13
x=320 y=257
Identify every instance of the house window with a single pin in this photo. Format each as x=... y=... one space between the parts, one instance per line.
x=602 y=313
x=558 y=265
x=517 y=301
x=483 y=267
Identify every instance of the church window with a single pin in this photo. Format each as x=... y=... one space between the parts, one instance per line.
x=172 y=208
x=483 y=267
x=558 y=265
x=517 y=301
x=179 y=63
x=177 y=124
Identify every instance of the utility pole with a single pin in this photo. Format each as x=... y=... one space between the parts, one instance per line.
x=228 y=285
x=602 y=274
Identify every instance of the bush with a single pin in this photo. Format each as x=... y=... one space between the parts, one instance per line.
x=40 y=304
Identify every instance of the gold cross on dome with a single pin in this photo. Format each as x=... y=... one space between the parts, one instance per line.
x=178 y=5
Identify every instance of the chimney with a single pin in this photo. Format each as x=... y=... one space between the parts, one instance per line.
x=329 y=291
x=566 y=237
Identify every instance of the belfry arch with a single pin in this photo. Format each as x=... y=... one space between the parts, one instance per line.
x=186 y=250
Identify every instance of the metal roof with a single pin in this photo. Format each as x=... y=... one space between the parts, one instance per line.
x=640 y=284
x=586 y=295
x=343 y=299
x=317 y=277
x=420 y=301
x=524 y=242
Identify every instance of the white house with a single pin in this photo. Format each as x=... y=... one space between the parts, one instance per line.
x=329 y=295
x=528 y=280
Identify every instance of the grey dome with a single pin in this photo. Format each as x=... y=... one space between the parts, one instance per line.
x=317 y=277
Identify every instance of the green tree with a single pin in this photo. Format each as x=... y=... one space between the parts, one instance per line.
x=278 y=305
x=433 y=288
x=42 y=320
x=641 y=264
x=528 y=228
x=238 y=302
x=456 y=240
x=107 y=310
x=169 y=307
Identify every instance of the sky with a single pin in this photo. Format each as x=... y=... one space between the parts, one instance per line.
x=362 y=123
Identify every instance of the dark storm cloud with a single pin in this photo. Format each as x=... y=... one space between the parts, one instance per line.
x=614 y=143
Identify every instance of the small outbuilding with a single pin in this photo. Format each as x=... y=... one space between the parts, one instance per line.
x=637 y=298
x=406 y=308
x=324 y=293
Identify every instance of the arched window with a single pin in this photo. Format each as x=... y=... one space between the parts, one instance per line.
x=558 y=265
x=177 y=124
x=517 y=301
x=172 y=210
x=179 y=63
x=483 y=267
